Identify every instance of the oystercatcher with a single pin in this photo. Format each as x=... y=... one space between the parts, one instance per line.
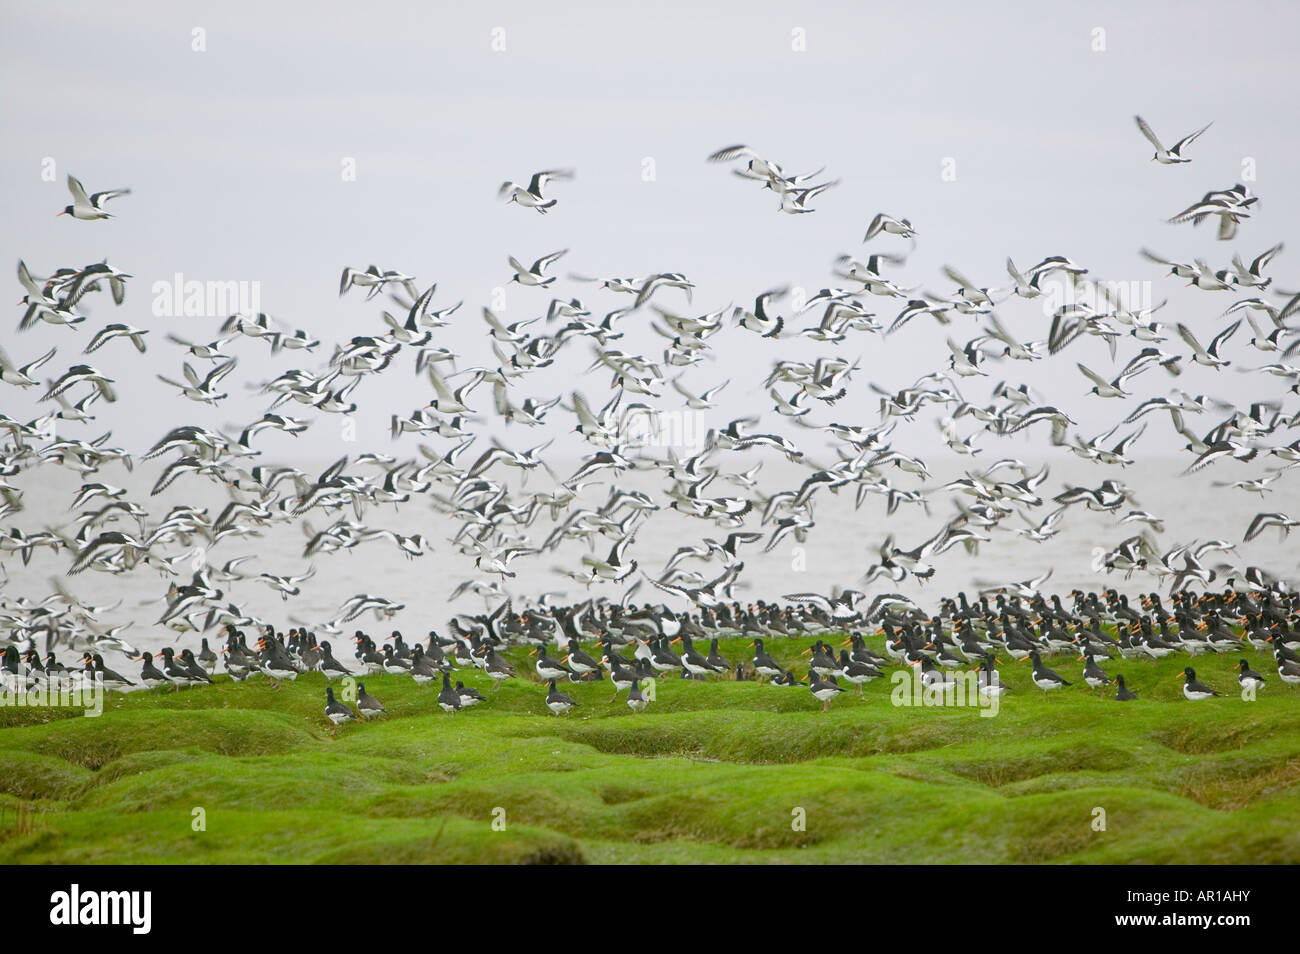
x=393 y=664
x=636 y=701
x=367 y=704
x=858 y=673
x=557 y=701
x=820 y=659
x=327 y=664
x=469 y=696
x=692 y=661
x=207 y=658
x=175 y=671
x=1247 y=677
x=1043 y=677
x=89 y=207
x=764 y=665
x=151 y=675
x=423 y=669
x=1193 y=689
x=197 y=673
x=1172 y=155
x=549 y=668
x=823 y=690
x=1093 y=674
x=495 y=665
x=111 y=680
x=1123 y=693
x=990 y=686
x=448 y=697
x=579 y=661
x=336 y=711
x=621 y=676
x=716 y=659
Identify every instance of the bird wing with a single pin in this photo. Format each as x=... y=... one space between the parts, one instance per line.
x=816 y=599
x=1187 y=139
x=78 y=191
x=1151 y=136
x=541 y=264
x=1223 y=336
x=1186 y=334
x=728 y=153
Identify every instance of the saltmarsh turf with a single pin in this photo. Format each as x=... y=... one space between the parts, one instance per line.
x=711 y=772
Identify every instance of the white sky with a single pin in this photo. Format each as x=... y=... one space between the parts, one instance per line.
x=234 y=156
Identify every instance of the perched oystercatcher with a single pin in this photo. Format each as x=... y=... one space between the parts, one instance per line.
x=1247 y=677
x=1194 y=689
x=1123 y=693
x=557 y=701
x=547 y=667
x=448 y=697
x=823 y=690
x=1043 y=677
x=1093 y=674
x=367 y=704
x=336 y=711
x=469 y=696
x=764 y=665
x=151 y=675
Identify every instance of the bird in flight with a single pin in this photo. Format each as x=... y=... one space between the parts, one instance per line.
x=1165 y=156
x=92 y=206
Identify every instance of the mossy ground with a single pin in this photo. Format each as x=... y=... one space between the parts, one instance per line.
x=715 y=772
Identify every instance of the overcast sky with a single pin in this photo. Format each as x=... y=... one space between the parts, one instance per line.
x=235 y=157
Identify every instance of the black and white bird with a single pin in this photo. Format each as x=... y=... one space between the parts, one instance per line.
x=1044 y=678
x=824 y=690
x=548 y=668
x=1122 y=692
x=759 y=320
x=151 y=675
x=1172 y=155
x=335 y=711
x=1093 y=674
x=889 y=224
x=841 y=607
x=448 y=698
x=367 y=704
x=1247 y=677
x=536 y=275
x=89 y=207
x=557 y=701
x=531 y=197
x=1193 y=688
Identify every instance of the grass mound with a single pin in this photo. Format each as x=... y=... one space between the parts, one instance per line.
x=716 y=772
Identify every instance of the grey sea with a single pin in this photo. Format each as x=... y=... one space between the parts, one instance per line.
x=836 y=553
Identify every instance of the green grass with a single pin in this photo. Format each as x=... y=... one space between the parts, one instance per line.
x=710 y=773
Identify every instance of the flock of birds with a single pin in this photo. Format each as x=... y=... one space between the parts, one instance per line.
x=633 y=644
x=110 y=532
